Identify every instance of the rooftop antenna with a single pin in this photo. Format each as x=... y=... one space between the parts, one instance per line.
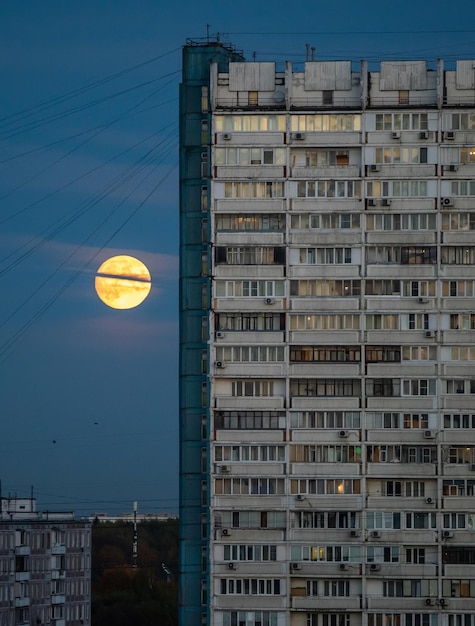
x=313 y=53
x=307 y=52
x=207 y=33
x=135 y=541
x=254 y=55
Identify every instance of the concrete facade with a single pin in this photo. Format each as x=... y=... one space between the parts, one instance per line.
x=331 y=344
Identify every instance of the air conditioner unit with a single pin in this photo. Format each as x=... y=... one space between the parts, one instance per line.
x=430 y=334
x=422 y=300
x=424 y=134
x=447 y=534
x=299 y=497
x=226 y=136
x=452 y=168
x=472 y=467
x=231 y=565
x=375 y=567
x=225 y=469
x=429 y=602
x=269 y=301
x=449 y=134
x=386 y=202
x=374 y=168
x=396 y=135
x=447 y=202
x=355 y=533
x=371 y=202
x=295 y=566
x=343 y=567
x=429 y=500
x=443 y=602
x=298 y=136
x=429 y=434
x=375 y=534
x=343 y=434
x=220 y=334
x=225 y=532
x=220 y=364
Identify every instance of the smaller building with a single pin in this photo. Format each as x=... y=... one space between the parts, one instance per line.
x=45 y=566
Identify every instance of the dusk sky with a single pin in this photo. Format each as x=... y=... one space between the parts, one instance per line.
x=88 y=170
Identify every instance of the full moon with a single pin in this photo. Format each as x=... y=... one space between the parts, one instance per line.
x=123 y=282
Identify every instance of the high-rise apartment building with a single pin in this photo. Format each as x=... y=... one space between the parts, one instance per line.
x=45 y=566
x=327 y=342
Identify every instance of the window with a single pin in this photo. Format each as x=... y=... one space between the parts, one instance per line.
x=328 y=188
x=462 y=187
x=325 y=419
x=458 y=487
x=325 y=158
x=250 y=321
x=420 y=520
x=382 y=287
x=325 y=322
x=327 y=97
x=249 y=288
x=382 y=554
x=327 y=519
x=305 y=221
x=458 y=288
x=312 y=453
x=344 y=553
x=328 y=486
x=249 y=420
x=251 y=519
x=462 y=321
x=249 y=255
x=326 y=122
x=400 y=221
x=336 y=588
x=458 y=255
x=410 y=588
x=383 y=420
x=419 y=353
x=243 y=453
x=383 y=520
x=252 y=388
x=249 y=156
x=250 y=586
x=459 y=421
x=329 y=387
x=458 y=221
x=250 y=354
x=328 y=354
x=382 y=387
x=396 y=188
x=419 y=387
x=252 y=98
x=249 y=123
x=328 y=619
x=324 y=256
x=250 y=222
x=386 y=354
x=246 y=552
x=401 y=121
x=250 y=618
x=255 y=189
x=405 y=255
x=408 y=489
x=401 y=155
x=403 y=96
x=325 y=288
x=249 y=486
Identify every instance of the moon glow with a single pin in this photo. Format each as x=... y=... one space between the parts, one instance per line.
x=122 y=282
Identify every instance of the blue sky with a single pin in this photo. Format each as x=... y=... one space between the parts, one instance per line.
x=88 y=169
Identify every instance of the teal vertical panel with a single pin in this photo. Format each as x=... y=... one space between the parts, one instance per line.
x=193 y=288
